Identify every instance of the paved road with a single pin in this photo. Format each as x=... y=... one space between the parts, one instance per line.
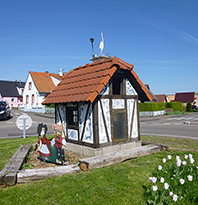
x=9 y=129
x=185 y=126
x=163 y=125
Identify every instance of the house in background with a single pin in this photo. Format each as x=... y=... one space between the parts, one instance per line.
x=184 y=98
x=12 y=92
x=98 y=106
x=170 y=97
x=161 y=98
x=38 y=85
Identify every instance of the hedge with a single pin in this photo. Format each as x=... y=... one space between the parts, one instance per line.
x=176 y=106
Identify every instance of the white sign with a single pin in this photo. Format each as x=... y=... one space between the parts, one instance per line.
x=24 y=121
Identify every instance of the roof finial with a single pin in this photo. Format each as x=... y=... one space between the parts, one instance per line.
x=101 y=46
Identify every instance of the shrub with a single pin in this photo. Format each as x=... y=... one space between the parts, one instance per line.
x=176 y=106
x=151 y=106
x=174 y=181
x=189 y=107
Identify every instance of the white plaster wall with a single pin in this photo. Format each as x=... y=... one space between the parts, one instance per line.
x=28 y=92
x=106 y=109
x=130 y=103
x=88 y=134
x=135 y=123
x=130 y=89
x=62 y=111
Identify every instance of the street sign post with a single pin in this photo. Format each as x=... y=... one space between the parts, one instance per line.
x=24 y=122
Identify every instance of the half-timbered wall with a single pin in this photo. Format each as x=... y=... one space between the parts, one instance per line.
x=124 y=105
x=84 y=130
x=99 y=123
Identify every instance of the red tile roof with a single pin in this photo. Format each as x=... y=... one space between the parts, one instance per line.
x=86 y=82
x=43 y=81
x=185 y=97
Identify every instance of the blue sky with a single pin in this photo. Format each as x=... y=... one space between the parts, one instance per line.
x=159 y=37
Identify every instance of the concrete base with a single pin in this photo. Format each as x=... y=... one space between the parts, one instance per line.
x=90 y=152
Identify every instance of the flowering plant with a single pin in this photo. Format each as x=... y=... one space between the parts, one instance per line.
x=175 y=181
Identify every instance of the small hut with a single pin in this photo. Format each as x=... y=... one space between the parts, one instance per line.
x=98 y=106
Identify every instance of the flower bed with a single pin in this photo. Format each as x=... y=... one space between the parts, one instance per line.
x=174 y=181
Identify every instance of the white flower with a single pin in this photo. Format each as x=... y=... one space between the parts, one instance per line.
x=160 y=167
x=175 y=197
x=179 y=163
x=169 y=156
x=182 y=181
x=191 y=160
x=154 y=188
x=186 y=156
x=190 y=178
x=162 y=179
x=171 y=193
x=166 y=185
x=152 y=179
x=177 y=157
x=190 y=155
x=164 y=160
x=184 y=163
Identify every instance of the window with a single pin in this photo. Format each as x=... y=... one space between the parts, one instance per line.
x=117 y=86
x=26 y=98
x=33 y=98
x=30 y=86
x=72 y=114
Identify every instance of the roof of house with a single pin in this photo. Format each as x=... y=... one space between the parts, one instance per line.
x=43 y=81
x=86 y=82
x=9 y=88
x=185 y=97
x=161 y=98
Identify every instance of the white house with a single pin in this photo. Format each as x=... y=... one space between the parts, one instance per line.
x=38 y=85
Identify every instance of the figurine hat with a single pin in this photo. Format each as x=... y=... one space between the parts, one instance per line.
x=58 y=127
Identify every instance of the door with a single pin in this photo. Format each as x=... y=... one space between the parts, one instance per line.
x=119 y=126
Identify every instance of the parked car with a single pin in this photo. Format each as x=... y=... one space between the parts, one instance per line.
x=5 y=110
x=194 y=107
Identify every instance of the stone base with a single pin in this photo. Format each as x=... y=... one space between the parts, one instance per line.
x=90 y=152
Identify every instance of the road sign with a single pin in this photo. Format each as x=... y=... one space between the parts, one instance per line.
x=24 y=122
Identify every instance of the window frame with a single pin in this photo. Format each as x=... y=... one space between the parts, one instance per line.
x=72 y=115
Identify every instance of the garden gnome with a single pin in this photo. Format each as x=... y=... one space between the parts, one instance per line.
x=60 y=144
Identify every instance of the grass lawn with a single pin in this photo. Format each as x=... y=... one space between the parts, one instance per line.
x=117 y=184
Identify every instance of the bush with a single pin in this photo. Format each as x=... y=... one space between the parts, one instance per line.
x=189 y=107
x=51 y=105
x=175 y=106
x=151 y=106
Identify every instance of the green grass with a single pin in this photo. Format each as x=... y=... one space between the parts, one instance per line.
x=173 y=142
x=117 y=184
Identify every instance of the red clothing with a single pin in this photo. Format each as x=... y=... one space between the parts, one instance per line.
x=58 y=142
